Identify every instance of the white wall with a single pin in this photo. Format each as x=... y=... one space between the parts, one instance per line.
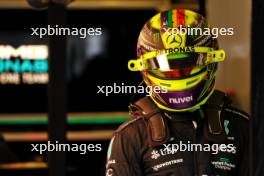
x=234 y=72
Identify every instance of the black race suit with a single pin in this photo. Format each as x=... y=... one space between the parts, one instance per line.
x=130 y=155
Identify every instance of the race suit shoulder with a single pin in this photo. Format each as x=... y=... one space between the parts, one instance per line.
x=130 y=155
x=124 y=152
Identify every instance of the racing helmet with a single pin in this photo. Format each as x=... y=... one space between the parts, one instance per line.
x=178 y=55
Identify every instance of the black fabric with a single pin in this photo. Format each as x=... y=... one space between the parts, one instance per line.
x=214 y=107
x=156 y=124
x=257 y=89
x=214 y=113
x=130 y=155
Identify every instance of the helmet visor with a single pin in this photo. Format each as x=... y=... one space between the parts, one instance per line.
x=177 y=73
x=176 y=60
x=173 y=66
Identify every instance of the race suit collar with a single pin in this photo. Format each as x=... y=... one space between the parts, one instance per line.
x=184 y=116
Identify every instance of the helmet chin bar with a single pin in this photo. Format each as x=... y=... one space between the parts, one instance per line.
x=178 y=99
x=185 y=109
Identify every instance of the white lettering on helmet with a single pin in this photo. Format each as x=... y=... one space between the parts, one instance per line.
x=181 y=99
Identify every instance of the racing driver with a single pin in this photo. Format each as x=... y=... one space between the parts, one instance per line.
x=191 y=129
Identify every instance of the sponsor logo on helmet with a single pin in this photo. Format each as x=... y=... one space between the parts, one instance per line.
x=180 y=50
x=174 y=40
x=181 y=100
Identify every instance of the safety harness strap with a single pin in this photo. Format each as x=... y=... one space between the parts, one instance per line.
x=156 y=123
x=213 y=127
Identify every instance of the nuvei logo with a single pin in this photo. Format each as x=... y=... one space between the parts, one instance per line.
x=181 y=99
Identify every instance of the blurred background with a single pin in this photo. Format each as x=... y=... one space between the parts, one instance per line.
x=93 y=61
